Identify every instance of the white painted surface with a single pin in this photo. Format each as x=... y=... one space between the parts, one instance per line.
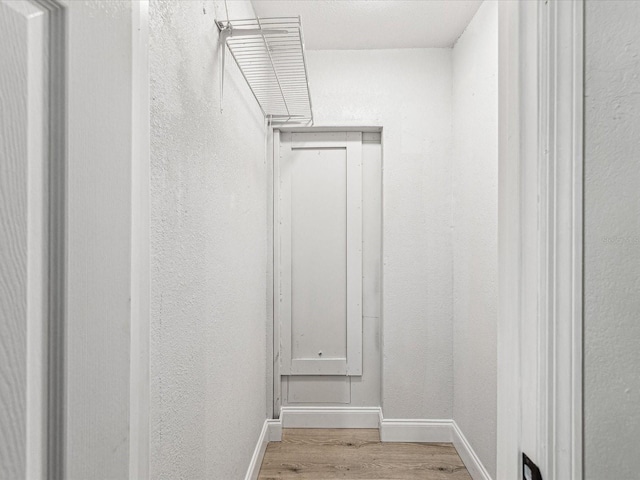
x=517 y=193
x=362 y=24
x=612 y=240
x=208 y=249
x=318 y=389
x=330 y=417
x=475 y=231
x=98 y=322
x=320 y=241
x=273 y=289
x=558 y=315
x=539 y=320
x=523 y=245
x=409 y=93
x=317 y=206
x=271 y=432
x=354 y=253
x=416 y=430
x=23 y=220
x=364 y=389
x=469 y=456
x=434 y=431
x=371 y=227
x=140 y=259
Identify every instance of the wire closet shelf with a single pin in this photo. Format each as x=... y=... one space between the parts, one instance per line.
x=270 y=55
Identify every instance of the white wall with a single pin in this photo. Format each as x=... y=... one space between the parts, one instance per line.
x=612 y=241
x=408 y=92
x=475 y=232
x=208 y=247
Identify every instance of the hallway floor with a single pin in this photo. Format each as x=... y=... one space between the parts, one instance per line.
x=357 y=454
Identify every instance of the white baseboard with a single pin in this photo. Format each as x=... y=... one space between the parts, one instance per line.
x=275 y=430
x=330 y=417
x=469 y=458
x=434 y=431
x=391 y=430
x=418 y=430
x=271 y=432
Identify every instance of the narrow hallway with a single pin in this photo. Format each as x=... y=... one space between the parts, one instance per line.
x=319 y=239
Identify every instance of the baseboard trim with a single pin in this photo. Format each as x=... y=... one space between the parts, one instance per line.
x=416 y=430
x=330 y=417
x=271 y=432
x=391 y=430
x=434 y=431
x=468 y=455
x=274 y=429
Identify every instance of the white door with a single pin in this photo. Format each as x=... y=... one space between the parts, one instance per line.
x=73 y=201
x=23 y=300
x=319 y=276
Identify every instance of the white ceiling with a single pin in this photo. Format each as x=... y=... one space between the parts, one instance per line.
x=374 y=24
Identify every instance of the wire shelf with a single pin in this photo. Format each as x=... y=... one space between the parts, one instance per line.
x=270 y=55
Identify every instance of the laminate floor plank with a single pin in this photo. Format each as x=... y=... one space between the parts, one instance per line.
x=357 y=454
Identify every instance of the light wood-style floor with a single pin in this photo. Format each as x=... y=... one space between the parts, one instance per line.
x=357 y=454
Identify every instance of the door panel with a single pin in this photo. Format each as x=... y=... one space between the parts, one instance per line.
x=23 y=246
x=318 y=252
x=319 y=389
x=320 y=270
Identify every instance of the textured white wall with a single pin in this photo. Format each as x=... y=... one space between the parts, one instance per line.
x=612 y=241
x=475 y=231
x=208 y=246
x=408 y=92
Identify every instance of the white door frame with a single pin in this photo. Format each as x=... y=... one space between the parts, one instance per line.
x=139 y=381
x=57 y=238
x=274 y=394
x=540 y=238
x=539 y=355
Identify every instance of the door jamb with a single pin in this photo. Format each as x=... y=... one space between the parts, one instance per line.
x=52 y=448
x=540 y=237
x=139 y=379
x=275 y=235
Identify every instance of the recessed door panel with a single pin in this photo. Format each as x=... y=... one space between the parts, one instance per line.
x=320 y=271
x=319 y=253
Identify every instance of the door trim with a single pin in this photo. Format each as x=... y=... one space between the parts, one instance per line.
x=56 y=238
x=273 y=281
x=273 y=304
x=354 y=253
x=540 y=238
x=561 y=226
x=139 y=379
